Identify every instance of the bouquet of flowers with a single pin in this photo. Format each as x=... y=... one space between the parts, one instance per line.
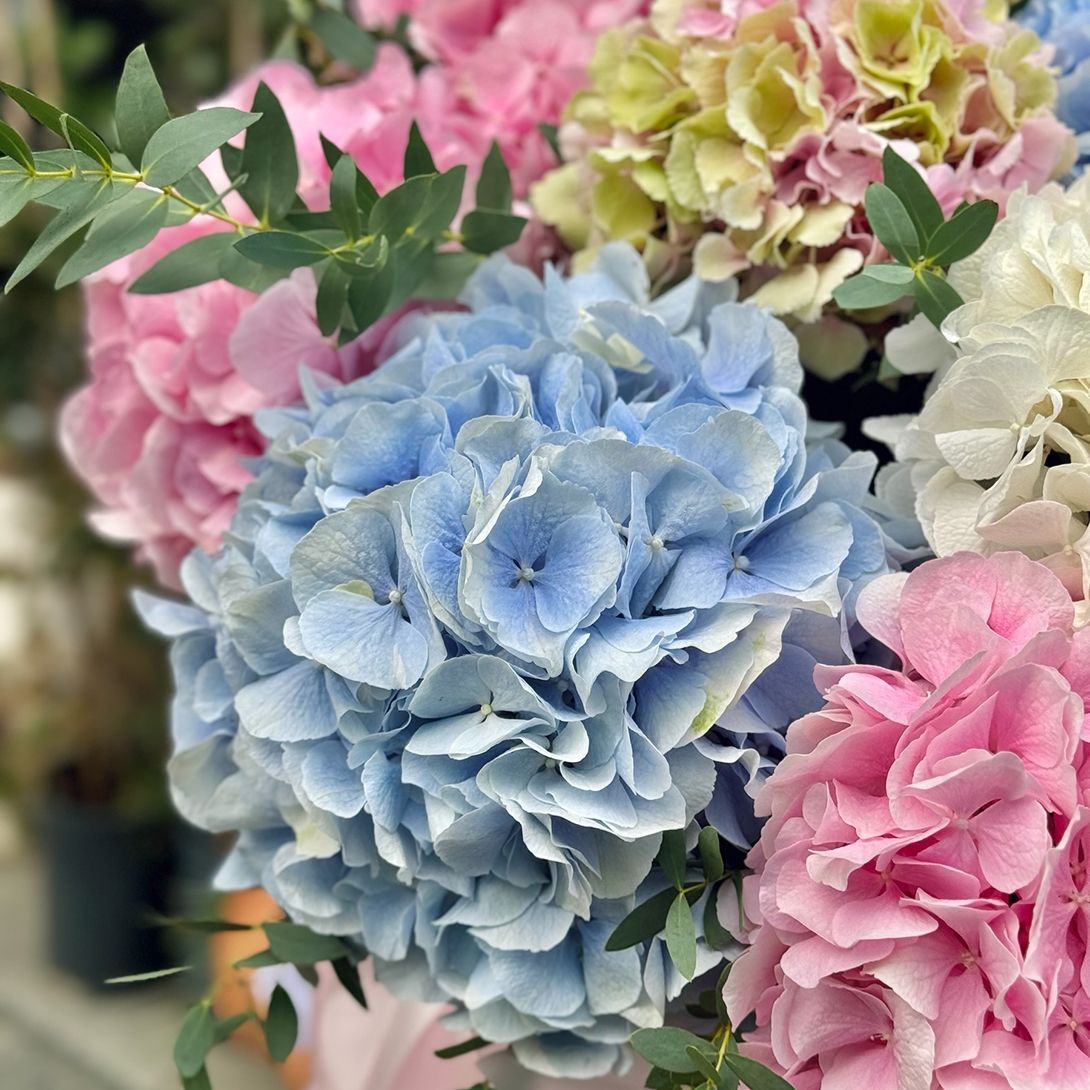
x=547 y=658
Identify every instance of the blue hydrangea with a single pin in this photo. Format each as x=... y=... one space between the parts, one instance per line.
x=489 y=621
x=1065 y=24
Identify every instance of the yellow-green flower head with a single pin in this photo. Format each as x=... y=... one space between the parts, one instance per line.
x=741 y=135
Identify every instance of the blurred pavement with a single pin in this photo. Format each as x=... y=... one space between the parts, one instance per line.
x=57 y=1035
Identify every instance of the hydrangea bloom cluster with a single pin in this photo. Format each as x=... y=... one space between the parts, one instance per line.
x=508 y=66
x=494 y=617
x=746 y=133
x=163 y=430
x=1065 y=24
x=922 y=891
x=1000 y=454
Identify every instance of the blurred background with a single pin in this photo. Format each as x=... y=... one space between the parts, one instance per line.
x=89 y=850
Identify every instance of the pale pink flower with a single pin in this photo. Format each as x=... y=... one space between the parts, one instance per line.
x=921 y=896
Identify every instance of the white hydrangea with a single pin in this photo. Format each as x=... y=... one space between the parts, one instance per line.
x=1000 y=454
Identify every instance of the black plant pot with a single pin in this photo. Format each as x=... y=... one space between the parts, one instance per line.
x=107 y=877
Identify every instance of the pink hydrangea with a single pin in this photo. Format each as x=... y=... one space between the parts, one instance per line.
x=921 y=886
x=511 y=65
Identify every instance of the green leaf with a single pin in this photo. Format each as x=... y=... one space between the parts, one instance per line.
x=755 y=1075
x=343 y=198
x=264 y=959
x=447 y=275
x=369 y=296
x=197 y=262
x=935 y=296
x=673 y=856
x=196 y=187
x=462 y=1048
x=411 y=261
x=914 y=193
x=185 y=143
x=195 y=1040
x=644 y=922
x=225 y=1027
x=348 y=974
x=141 y=978
x=667 y=1047
x=891 y=223
x=715 y=934
x=704 y=1065
x=366 y=193
x=200 y=1081
x=281 y=1025
x=344 y=39
x=64 y=125
x=299 y=945
x=963 y=234
x=486 y=232
x=281 y=249
x=552 y=138
x=269 y=160
x=711 y=857
x=128 y=225
x=401 y=208
x=14 y=146
x=868 y=289
x=890 y=274
x=418 y=158
x=494 y=188
x=444 y=200
x=86 y=203
x=247 y=274
x=332 y=298
x=141 y=108
x=18 y=190
x=681 y=937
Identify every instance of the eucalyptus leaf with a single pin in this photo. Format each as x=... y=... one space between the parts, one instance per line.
x=681 y=937
x=197 y=262
x=711 y=856
x=443 y=201
x=343 y=198
x=673 y=856
x=369 y=296
x=463 y=1048
x=418 y=159
x=401 y=208
x=344 y=39
x=15 y=147
x=87 y=201
x=935 y=296
x=263 y=959
x=282 y=249
x=281 y=1025
x=667 y=1048
x=964 y=233
x=200 y=1081
x=485 y=232
x=143 y=978
x=643 y=922
x=184 y=143
x=866 y=290
x=225 y=1027
x=366 y=193
x=128 y=225
x=269 y=160
x=494 y=187
x=914 y=193
x=348 y=974
x=195 y=1040
x=17 y=190
x=141 y=108
x=299 y=945
x=332 y=298
x=247 y=274
x=892 y=225
x=66 y=126
x=755 y=1075
x=196 y=187
x=704 y=1065
x=715 y=934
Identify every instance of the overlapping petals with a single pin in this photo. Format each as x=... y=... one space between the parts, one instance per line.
x=1000 y=454
x=492 y=619
x=921 y=897
x=744 y=135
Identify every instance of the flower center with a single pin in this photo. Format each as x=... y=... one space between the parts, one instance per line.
x=656 y=543
x=526 y=575
x=741 y=563
x=396 y=597
x=486 y=709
